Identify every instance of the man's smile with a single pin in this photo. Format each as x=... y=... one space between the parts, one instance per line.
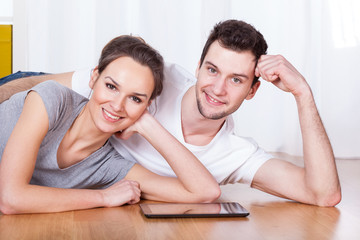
x=212 y=100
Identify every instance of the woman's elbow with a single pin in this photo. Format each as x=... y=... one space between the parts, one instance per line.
x=8 y=203
x=6 y=208
x=210 y=194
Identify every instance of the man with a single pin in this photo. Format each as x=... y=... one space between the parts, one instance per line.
x=200 y=117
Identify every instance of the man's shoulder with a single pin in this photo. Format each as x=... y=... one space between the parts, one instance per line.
x=177 y=81
x=80 y=81
x=178 y=76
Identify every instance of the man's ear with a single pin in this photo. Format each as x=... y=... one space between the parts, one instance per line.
x=253 y=90
x=94 y=77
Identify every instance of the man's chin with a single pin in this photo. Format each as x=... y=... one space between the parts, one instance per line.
x=213 y=116
x=208 y=114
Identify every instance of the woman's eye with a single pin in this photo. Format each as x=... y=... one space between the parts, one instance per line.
x=110 y=86
x=136 y=99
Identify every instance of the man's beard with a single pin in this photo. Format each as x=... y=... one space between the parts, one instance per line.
x=214 y=116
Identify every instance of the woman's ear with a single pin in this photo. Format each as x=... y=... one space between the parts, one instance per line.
x=94 y=76
x=253 y=90
x=149 y=103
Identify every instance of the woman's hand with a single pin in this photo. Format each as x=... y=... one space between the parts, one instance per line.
x=122 y=192
x=194 y=183
x=137 y=127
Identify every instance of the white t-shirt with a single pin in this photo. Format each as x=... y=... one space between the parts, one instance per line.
x=229 y=158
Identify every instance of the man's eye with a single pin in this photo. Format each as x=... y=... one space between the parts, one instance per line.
x=211 y=70
x=136 y=99
x=110 y=86
x=236 y=80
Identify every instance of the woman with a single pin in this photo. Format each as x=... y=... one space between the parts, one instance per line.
x=54 y=143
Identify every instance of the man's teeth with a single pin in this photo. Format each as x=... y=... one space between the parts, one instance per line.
x=111 y=116
x=212 y=99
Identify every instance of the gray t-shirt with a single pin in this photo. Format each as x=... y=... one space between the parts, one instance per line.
x=99 y=170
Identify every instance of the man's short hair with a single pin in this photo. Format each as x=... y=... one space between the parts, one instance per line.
x=238 y=36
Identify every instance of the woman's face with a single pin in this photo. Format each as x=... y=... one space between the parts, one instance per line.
x=121 y=93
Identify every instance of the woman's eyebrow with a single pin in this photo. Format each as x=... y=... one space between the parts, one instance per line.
x=113 y=80
x=135 y=93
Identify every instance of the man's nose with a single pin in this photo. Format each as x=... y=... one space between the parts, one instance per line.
x=219 y=86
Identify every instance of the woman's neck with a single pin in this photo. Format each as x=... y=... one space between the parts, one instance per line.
x=81 y=140
x=84 y=129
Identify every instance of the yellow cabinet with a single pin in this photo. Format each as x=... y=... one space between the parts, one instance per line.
x=5 y=50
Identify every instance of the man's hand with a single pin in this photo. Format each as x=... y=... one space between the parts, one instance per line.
x=317 y=182
x=277 y=70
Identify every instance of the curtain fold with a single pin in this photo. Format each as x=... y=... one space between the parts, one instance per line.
x=320 y=38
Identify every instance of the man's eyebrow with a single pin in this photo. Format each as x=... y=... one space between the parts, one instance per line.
x=118 y=85
x=210 y=63
x=241 y=75
x=234 y=74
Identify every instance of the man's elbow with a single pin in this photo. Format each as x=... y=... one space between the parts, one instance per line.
x=330 y=200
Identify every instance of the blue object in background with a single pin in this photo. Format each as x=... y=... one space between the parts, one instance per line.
x=19 y=74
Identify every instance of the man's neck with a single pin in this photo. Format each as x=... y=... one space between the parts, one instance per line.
x=197 y=130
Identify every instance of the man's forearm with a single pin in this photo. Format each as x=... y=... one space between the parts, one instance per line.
x=320 y=168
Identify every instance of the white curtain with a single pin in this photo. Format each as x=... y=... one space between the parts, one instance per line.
x=321 y=39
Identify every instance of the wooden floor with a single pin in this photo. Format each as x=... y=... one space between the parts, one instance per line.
x=270 y=218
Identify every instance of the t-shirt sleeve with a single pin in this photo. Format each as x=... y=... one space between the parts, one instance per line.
x=56 y=98
x=80 y=82
x=248 y=169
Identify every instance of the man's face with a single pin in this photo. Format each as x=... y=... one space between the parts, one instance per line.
x=224 y=81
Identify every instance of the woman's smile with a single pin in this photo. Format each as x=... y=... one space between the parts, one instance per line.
x=111 y=117
x=121 y=94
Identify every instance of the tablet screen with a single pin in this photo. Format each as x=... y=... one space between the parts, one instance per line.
x=226 y=209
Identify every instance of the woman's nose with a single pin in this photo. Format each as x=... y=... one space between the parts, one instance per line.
x=118 y=104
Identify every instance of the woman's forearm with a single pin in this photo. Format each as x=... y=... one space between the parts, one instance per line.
x=38 y=199
x=26 y=198
x=189 y=170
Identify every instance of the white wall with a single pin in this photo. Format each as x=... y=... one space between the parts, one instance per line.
x=321 y=38
x=6 y=11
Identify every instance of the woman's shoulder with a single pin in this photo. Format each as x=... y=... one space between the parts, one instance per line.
x=53 y=90
x=50 y=85
x=59 y=100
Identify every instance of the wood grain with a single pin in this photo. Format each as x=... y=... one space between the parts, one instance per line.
x=270 y=218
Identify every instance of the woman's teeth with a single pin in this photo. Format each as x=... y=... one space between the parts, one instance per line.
x=111 y=116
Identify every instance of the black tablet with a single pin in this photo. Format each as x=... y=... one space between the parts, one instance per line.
x=171 y=210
